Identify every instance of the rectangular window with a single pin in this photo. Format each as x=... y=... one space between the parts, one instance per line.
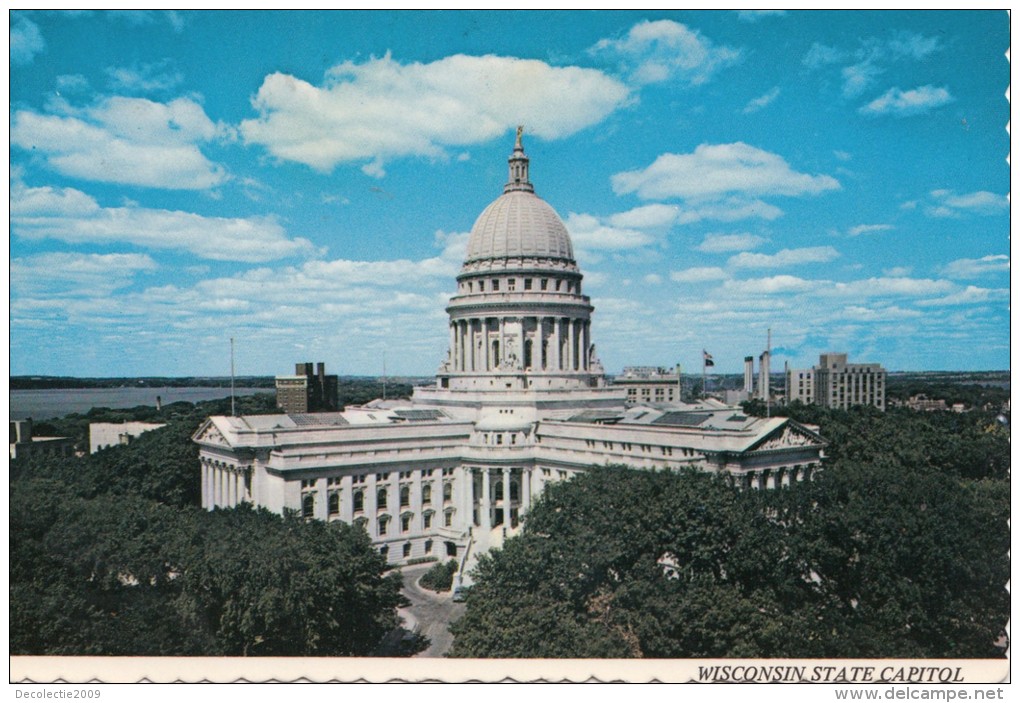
x=481 y=286
x=545 y=283
x=511 y=284
x=527 y=284
x=495 y=285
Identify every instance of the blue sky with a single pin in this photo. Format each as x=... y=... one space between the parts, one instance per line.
x=305 y=183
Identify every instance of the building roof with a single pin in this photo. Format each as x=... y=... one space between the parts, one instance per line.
x=519 y=224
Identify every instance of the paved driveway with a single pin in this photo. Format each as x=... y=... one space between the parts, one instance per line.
x=429 y=612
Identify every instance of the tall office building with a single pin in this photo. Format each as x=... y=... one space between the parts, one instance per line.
x=309 y=390
x=834 y=383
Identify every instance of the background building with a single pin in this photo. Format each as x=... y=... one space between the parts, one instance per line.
x=834 y=383
x=308 y=390
x=108 y=434
x=649 y=384
x=24 y=443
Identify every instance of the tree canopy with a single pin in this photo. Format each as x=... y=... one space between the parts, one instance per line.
x=110 y=554
x=899 y=548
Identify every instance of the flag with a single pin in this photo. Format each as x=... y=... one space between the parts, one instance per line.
x=707 y=358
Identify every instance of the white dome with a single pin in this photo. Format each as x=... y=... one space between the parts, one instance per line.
x=519 y=224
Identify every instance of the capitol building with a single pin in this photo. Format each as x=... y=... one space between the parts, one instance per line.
x=520 y=401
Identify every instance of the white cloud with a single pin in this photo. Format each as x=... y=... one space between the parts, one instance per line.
x=902 y=103
x=861 y=313
x=72 y=83
x=729 y=210
x=662 y=50
x=652 y=279
x=721 y=243
x=651 y=216
x=699 y=274
x=897 y=271
x=785 y=257
x=66 y=273
x=842 y=155
x=145 y=78
x=26 y=40
x=589 y=232
x=914 y=46
x=382 y=109
x=71 y=216
x=857 y=77
x=771 y=285
x=125 y=140
x=970 y=295
x=975 y=268
x=868 y=229
x=761 y=101
x=755 y=15
x=950 y=204
x=717 y=170
x=822 y=55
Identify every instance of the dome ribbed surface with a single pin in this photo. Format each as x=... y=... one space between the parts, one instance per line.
x=519 y=224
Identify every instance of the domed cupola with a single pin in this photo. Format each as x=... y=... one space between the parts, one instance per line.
x=519 y=224
x=519 y=320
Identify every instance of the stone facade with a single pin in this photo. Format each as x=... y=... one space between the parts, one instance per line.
x=834 y=383
x=520 y=401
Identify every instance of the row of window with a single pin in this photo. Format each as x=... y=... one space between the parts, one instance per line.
x=647 y=448
x=558 y=285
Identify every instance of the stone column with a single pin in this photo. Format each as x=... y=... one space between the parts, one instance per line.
x=455 y=352
x=486 y=503
x=502 y=338
x=506 y=499
x=205 y=502
x=543 y=345
x=217 y=486
x=487 y=343
x=463 y=495
x=347 y=499
x=416 y=504
x=525 y=490
x=371 y=504
x=557 y=362
x=469 y=339
x=571 y=346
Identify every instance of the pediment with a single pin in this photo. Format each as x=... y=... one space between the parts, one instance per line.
x=208 y=433
x=788 y=436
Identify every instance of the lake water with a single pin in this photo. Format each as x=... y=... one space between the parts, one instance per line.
x=57 y=402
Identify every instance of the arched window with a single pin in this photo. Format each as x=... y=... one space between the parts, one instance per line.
x=447 y=492
x=405 y=496
x=380 y=498
x=426 y=493
x=407 y=550
x=308 y=505
x=515 y=490
x=497 y=491
x=426 y=520
x=334 y=503
x=405 y=522
x=448 y=518
x=359 y=501
x=384 y=524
